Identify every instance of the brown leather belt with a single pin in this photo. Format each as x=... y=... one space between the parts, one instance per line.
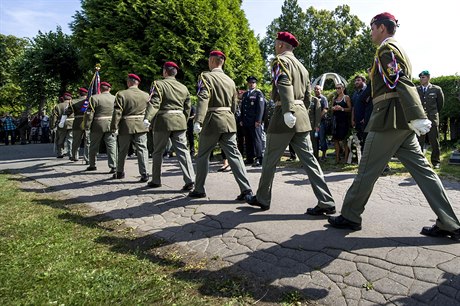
x=385 y=96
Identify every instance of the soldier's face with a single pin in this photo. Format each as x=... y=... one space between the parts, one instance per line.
x=377 y=33
x=278 y=46
x=424 y=79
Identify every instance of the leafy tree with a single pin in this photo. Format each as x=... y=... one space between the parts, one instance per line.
x=330 y=41
x=133 y=36
x=49 y=67
x=11 y=50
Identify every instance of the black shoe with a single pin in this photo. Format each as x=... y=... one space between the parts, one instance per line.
x=188 y=187
x=243 y=195
x=319 y=211
x=386 y=170
x=196 y=194
x=252 y=200
x=118 y=175
x=144 y=178
x=91 y=168
x=112 y=170
x=341 y=222
x=153 y=185
x=435 y=231
x=60 y=156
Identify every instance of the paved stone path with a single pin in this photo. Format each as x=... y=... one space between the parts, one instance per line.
x=388 y=262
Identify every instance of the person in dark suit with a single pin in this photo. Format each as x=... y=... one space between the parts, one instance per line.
x=252 y=112
x=397 y=117
x=433 y=101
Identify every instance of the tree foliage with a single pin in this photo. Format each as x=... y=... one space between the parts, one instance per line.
x=133 y=36
x=330 y=41
x=11 y=51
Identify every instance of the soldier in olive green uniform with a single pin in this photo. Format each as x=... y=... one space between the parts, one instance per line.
x=397 y=114
x=432 y=101
x=290 y=125
x=77 y=128
x=170 y=106
x=63 y=124
x=215 y=119
x=97 y=120
x=127 y=121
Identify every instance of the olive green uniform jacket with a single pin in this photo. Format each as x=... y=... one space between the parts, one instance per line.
x=129 y=111
x=396 y=103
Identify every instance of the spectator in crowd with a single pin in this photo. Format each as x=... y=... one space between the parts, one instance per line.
x=341 y=108
x=324 y=121
x=359 y=107
x=9 y=128
x=314 y=114
x=432 y=99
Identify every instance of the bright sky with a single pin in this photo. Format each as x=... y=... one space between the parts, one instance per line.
x=427 y=28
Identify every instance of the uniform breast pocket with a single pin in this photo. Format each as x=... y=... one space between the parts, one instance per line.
x=381 y=115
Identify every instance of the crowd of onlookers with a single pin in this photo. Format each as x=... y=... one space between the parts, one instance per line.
x=25 y=129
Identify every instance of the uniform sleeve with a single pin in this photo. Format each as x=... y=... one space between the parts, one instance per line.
x=187 y=106
x=154 y=102
x=440 y=99
x=394 y=70
x=117 y=112
x=282 y=82
x=203 y=99
x=260 y=106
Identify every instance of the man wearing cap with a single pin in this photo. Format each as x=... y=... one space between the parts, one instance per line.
x=432 y=99
x=78 y=129
x=290 y=124
x=397 y=117
x=97 y=120
x=170 y=105
x=215 y=122
x=251 y=119
x=62 y=125
x=128 y=122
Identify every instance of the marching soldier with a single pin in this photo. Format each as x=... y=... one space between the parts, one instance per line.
x=252 y=113
x=127 y=121
x=215 y=122
x=97 y=120
x=77 y=128
x=170 y=105
x=397 y=114
x=432 y=101
x=63 y=126
x=290 y=125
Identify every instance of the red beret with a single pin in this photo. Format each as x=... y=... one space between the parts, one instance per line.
x=82 y=89
x=134 y=76
x=384 y=16
x=170 y=64
x=106 y=84
x=217 y=53
x=68 y=94
x=288 y=37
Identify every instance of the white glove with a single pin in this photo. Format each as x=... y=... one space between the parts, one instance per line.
x=62 y=122
x=197 y=128
x=146 y=123
x=420 y=126
x=289 y=119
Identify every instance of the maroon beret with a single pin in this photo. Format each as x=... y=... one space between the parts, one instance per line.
x=82 y=89
x=106 y=84
x=68 y=94
x=170 y=64
x=288 y=37
x=384 y=16
x=134 y=76
x=217 y=53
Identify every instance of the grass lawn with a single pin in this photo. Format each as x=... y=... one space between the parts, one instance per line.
x=54 y=254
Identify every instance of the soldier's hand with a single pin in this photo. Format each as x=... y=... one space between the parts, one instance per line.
x=289 y=119
x=146 y=123
x=420 y=126
x=197 y=128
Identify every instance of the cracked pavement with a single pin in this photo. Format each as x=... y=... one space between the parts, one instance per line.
x=387 y=262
